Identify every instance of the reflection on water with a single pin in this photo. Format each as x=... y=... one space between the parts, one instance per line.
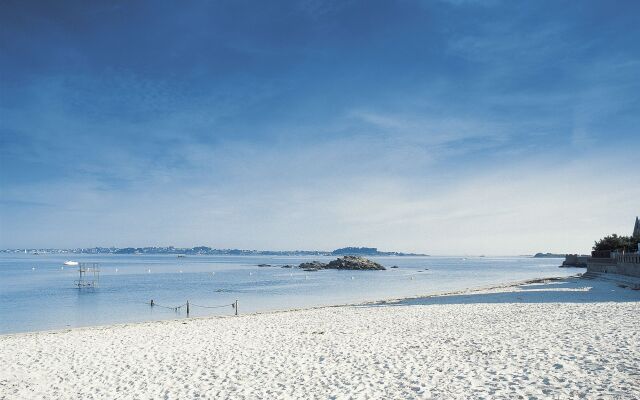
x=37 y=292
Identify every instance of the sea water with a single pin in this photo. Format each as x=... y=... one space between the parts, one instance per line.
x=37 y=292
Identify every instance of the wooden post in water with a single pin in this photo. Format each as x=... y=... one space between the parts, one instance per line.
x=187 y=308
x=236 y=307
x=151 y=302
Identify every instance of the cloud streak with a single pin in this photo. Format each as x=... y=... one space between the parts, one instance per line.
x=407 y=126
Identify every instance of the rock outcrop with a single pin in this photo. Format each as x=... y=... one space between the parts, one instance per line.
x=346 y=262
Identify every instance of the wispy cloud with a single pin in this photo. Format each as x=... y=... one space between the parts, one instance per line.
x=435 y=127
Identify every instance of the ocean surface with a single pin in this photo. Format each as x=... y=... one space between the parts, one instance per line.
x=37 y=292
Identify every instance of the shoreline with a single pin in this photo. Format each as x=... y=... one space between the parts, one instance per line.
x=393 y=300
x=538 y=338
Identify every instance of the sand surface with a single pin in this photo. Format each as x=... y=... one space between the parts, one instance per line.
x=566 y=339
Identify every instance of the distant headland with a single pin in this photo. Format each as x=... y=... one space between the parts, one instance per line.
x=548 y=255
x=204 y=250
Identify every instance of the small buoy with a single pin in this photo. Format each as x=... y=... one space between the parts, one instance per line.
x=412 y=278
x=213 y=273
x=149 y=270
x=61 y=267
x=116 y=269
x=352 y=278
x=250 y=273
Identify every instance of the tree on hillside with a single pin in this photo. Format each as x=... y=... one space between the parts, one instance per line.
x=615 y=242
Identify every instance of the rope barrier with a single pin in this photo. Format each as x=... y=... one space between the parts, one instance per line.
x=224 y=305
x=187 y=305
x=175 y=308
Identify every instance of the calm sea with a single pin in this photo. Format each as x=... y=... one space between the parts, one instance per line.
x=38 y=293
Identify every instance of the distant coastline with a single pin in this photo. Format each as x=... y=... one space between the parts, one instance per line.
x=204 y=250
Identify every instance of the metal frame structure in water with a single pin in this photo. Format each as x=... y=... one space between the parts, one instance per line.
x=89 y=275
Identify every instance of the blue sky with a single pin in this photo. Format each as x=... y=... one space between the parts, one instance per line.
x=444 y=127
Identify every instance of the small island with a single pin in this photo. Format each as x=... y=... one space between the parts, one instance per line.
x=370 y=251
x=548 y=255
x=345 y=263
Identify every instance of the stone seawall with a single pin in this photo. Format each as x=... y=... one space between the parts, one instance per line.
x=613 y=267
x=574 y=260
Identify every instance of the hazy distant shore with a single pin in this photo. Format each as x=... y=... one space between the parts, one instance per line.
x=545 y=339
x=205 y=250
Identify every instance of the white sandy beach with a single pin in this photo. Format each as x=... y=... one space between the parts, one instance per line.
x=564 y=339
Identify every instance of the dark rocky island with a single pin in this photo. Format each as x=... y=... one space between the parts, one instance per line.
x=346 y=263
x=548 y=255
x=313 y=266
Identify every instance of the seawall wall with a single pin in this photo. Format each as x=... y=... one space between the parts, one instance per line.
x=612 y=266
